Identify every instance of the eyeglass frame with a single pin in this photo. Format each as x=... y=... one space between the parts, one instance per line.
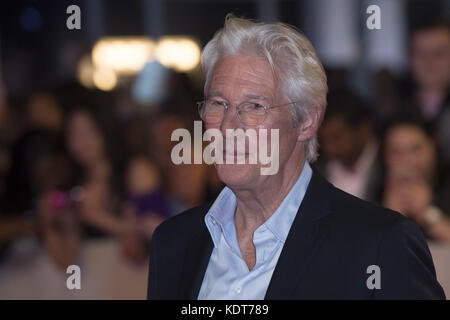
x=226 y=105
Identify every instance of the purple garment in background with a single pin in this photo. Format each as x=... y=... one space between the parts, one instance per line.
x=154 y=202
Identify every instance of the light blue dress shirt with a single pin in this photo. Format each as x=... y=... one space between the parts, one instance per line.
x=227 y=275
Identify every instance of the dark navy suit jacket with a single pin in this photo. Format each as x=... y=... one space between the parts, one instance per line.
x=334 y=238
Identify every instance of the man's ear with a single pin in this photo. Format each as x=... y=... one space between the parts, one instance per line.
x=310 y=125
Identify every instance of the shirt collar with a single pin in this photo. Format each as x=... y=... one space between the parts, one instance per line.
x=281 y=220
x=220 y=217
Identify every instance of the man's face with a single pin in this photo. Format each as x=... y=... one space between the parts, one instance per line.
x=430 y=58
x=236 y=79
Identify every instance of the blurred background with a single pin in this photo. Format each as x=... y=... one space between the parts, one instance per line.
x=86 y=117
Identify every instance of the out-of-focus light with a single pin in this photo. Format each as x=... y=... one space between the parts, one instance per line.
x=124 y=55
x=85 y=71
x=104 y=79
x=179 y=53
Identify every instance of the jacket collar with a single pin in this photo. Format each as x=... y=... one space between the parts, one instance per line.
x=305 y=237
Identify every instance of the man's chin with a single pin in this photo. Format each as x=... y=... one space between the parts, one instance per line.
x=238 y=174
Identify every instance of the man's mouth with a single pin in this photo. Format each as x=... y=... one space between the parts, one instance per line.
x=235 y=152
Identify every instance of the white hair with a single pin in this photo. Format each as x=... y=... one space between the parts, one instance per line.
x=292 y=58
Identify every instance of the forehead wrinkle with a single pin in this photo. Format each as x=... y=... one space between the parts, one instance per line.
x=242 y=77
x=244 y=89
x=251 y=88
x=257 y=97
x=259 y=75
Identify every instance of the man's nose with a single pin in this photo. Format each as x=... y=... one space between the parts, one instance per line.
x=230 y=119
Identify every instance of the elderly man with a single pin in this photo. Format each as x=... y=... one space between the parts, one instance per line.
x=289 y=235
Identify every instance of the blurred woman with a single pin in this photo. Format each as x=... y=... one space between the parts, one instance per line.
x=87 y=146
x=34 y=163
x=416 y=184
x=146 y=206
x=88 y=204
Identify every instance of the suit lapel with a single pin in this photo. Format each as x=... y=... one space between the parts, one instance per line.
x=195 y=263
x=305 y=236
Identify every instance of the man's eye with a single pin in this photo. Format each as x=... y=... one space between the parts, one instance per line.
x=257 y=107
x=252 y=107
x=216 y=103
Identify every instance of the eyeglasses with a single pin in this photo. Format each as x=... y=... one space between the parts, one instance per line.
x=249 y=113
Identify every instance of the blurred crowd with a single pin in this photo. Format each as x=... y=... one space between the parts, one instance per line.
x=79 y=164
x=395 y=150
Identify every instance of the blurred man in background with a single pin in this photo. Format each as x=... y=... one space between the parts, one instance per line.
x=428 y=96
x=430 y=68
x=349 y=147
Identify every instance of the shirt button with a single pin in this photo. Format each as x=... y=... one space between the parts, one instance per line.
x=238 y=290
x=214 y=221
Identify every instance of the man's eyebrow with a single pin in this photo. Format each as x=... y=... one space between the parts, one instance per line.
x=248 y=96
x=258 y=97
x=215 y=94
